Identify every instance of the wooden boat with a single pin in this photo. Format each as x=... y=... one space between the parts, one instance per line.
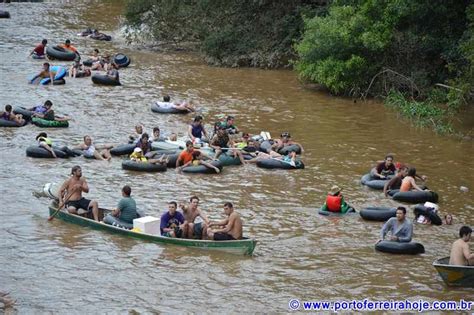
x=241 y=247
x=455 y=276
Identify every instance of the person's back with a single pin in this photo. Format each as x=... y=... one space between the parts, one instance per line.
x=128 y=209
x=407 y=184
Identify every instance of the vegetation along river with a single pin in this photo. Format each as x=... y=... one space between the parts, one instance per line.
x=62 y=268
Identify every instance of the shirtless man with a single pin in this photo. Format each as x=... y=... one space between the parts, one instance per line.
x=45 y=73
x=230 y=228
x=73 y=188
x=90 y=150
x=285 y=140
x=195 y=221
x=460 y=254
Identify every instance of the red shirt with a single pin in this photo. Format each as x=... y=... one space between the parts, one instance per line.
x=185 y=156
x=39 y=50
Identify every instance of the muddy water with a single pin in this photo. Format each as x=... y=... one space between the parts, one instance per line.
x=56 y=267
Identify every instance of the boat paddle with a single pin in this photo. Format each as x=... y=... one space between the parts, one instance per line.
x=51 y=217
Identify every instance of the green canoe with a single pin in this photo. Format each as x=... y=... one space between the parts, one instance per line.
x=241 y=247
x=455 y=276
x=40 y=122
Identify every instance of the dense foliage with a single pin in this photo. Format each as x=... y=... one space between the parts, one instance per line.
x=417 y=40
x=258 y=33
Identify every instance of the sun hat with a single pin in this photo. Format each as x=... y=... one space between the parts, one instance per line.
x=334 y=190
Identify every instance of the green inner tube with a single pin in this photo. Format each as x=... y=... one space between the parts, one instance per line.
x=40 y=122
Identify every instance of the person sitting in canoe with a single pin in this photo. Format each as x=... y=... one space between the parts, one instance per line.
x=284 y=141
x=49 y=113
x=229 y=229
x=408 y=183
x=180 y=106
x=90 y=150
x=335 y=201
x=45 y=142
x=222 y=143
x=38 y=51
x=138 y=156
x=384 y=168
x=460 y=254
x=197 y=160
x=126 y=209
x=400 y=228
x=171 y=221
x=71 y=193
x=195 y=221
x=8 y=115
x=45 y=73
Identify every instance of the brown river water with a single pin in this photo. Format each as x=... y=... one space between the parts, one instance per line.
x=53 y=267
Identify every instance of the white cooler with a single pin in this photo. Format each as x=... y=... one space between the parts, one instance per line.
x=148 y=225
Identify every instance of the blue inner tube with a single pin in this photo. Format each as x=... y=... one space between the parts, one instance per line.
x=203 y=169
x=39 y=152
x=60 y=74
x=122 y=149
x=380 y=214
x=414 y=196
x=59 y=53
x=157 y=107
x=142 y=166
x=336 y=214
x=433 y=216
x=275 y=163
x=104 y=80
x=289 y=148
x=122 y=60
x=9 y=123
x=400 y=248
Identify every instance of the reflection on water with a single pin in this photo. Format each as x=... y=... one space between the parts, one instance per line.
x=56 y=267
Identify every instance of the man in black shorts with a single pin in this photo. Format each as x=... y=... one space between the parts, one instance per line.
x=71 y=191
x=228 y=229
